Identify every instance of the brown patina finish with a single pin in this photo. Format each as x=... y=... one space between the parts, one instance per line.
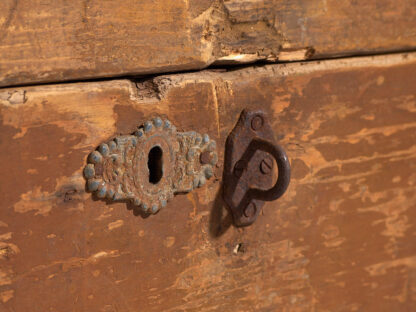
x=342 y=238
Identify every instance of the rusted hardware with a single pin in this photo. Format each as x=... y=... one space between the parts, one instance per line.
x=151 y=165
x=249 y=177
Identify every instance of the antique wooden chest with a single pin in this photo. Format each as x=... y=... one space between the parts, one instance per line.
x=105 y=205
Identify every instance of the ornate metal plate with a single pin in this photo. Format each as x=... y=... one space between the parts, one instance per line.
x=150 y=166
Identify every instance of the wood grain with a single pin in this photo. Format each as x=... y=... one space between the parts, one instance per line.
x=54 y=40
x=341 y=239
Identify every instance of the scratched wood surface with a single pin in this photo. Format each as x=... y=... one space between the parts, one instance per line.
x=341 y=239
x=56 y=40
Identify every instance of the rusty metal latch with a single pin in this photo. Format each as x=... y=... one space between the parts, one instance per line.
x=151 y=165
x=249 y=170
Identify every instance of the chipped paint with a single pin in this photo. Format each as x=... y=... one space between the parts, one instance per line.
x=169 y=241
x=5 y=236
x=27 y=202
x=42 y=202
x=114 y=225
x=382 y=267
x=5 y=277
x=6 y=295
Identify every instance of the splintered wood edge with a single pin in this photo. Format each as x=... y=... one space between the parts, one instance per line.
x=156 y=88
x=170 y=36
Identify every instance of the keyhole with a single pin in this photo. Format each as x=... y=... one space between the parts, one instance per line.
x=155 y=164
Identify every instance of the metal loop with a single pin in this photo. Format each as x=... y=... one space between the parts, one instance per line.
x=283 y=164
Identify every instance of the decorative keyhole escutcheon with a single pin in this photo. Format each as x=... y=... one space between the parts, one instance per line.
x=150 y=166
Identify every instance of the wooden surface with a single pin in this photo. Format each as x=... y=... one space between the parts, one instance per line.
x=341 y=239
x=57 y=40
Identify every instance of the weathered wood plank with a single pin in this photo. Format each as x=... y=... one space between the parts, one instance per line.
x=341 y=239
x=44 y=41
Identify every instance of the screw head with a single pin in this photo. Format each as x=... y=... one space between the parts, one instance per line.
x=250 y=210
x=257 y=122
x=239 y=168
x=266 y=165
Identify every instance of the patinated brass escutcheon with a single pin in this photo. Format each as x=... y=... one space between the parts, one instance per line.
x=150 y=166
